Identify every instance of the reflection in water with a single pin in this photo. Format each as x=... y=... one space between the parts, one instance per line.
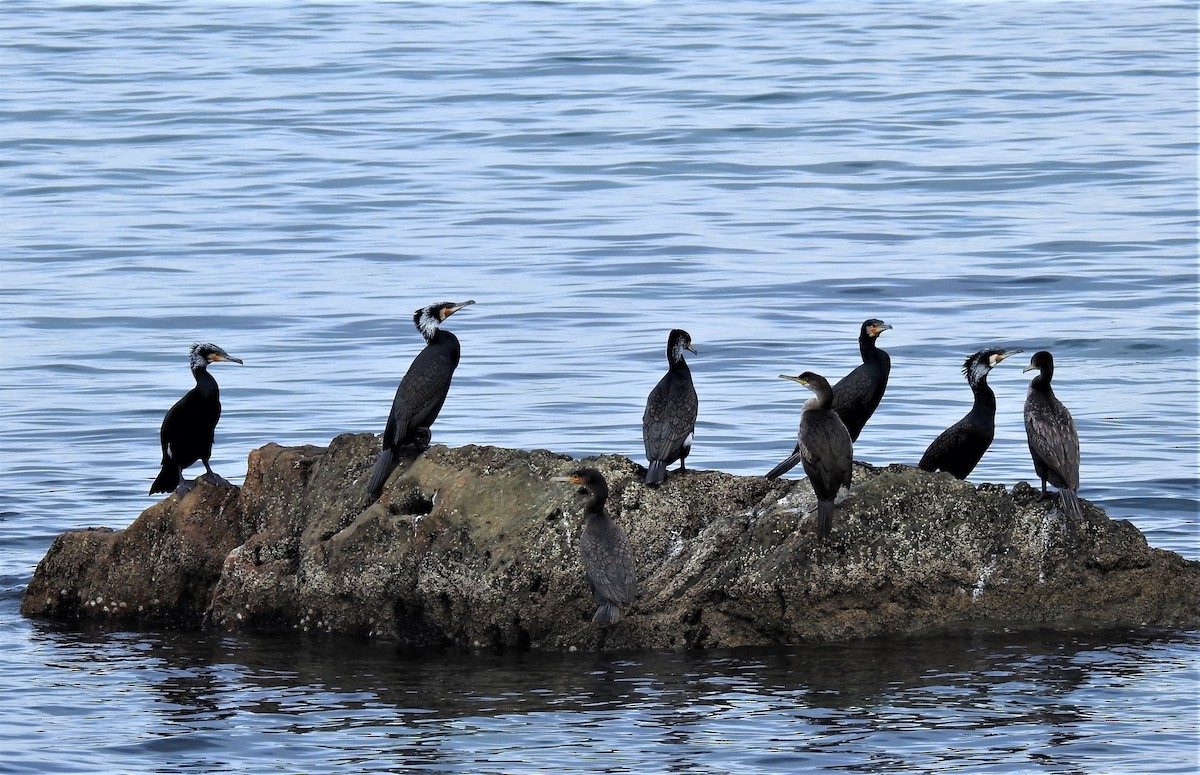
x=892 y=704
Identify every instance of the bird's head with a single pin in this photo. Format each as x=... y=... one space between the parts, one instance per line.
x=205 y=353
x=1042 y=361
x=429 y=319
x=808 y=379
x=678 y=341
x=978 y=365
x=874 y=327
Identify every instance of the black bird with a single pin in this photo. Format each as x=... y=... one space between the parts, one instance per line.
x=960 y=447
x=1053 y=441
x=669 y=422
x=856 y=395
x=188 y=429
x=604 y=549
x=824 y=446
x=421 y=393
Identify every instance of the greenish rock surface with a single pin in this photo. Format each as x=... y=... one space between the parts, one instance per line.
x=476 y=547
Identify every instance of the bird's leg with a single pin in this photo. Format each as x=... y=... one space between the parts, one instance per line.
x=212 y=477
x=1044 y=494
x=681 y=465
x=184 y=487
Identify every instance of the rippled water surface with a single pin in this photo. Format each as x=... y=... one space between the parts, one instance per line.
x=291 y=180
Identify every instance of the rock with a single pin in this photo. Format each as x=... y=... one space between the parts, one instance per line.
x=475 y=547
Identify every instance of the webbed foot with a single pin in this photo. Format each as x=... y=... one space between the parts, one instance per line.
x=214 y=478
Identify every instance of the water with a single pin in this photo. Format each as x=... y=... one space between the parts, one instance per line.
x=291 y=180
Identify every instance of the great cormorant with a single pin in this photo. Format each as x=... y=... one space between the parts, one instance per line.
x=604 y=549
x=1053 y=441
x=823 y=446
x=422 y=391
x=856 y=395
x=959 y=448
x=669 y=422
x=188 y=429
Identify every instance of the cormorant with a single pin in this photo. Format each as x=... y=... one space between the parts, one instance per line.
x=1053 y=441
x=422 y=391
x=604 y=549
x=824 y=446
x=856 y=395
x=960 y=447
x=188 y=429
x=669 y=422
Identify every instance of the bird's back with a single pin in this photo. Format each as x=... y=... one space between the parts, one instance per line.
x=423 y=389
x=827 y=452
x=1053 y=440
x=189 y=426
x=959 y=448
x=856 y=396
x=607 y=560
x=670 y=415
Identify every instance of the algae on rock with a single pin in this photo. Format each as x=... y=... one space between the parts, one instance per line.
x=476 y=547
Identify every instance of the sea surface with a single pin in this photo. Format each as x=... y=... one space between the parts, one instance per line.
x=291 y=180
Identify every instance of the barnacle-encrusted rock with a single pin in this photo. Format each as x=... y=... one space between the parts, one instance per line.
x=476 y=547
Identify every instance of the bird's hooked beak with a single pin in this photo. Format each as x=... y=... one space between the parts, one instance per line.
x=448 y=311
x=1031 y=367
x=689 y=347
x=1001 y=356
x=215 y=357
x=569 y=479
x=794 y=379
x=879 y=329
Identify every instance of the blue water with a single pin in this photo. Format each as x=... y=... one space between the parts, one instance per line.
x=292 y=180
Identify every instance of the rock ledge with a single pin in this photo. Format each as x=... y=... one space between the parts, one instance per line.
x=475 y=547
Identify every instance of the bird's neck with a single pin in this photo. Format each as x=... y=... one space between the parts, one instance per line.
x=204 y=380
x=985 y=399
x=871 y=353
x=595 y=504
x=822 y=400
x=867 y=348
x=437 y=335
x=1041 y=384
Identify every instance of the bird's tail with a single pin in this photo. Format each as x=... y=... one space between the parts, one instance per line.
x=656 y=474
x=784 y=467
x=824 y=519
x=383 y=467
x=1071 y=505
x=167 y=480
x=607 y=613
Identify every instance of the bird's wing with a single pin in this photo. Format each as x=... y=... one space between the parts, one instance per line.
x=937 y=453
x=1053 y=438
x=608 y=565
x=827 y=454
x=420 y=395
x=670 y=416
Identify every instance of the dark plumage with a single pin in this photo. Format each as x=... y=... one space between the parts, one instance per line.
x=1053 y=441
x=190 y=425
x=960 y=447
x=857 y=395
x=669 y=422
x=823 y=446
x=604 y=549
x=422 y=391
